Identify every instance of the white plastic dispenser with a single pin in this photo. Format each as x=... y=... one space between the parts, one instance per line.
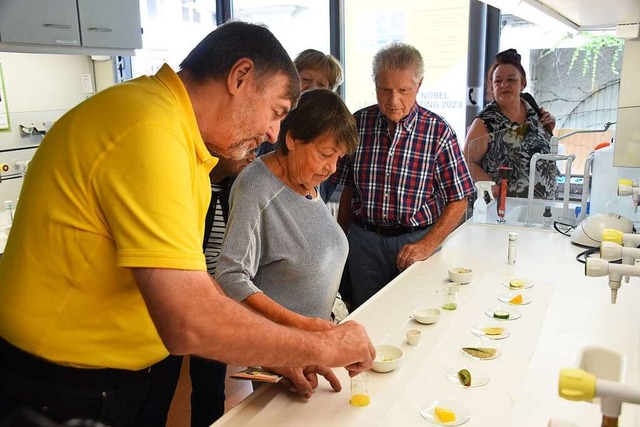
x=480 y=206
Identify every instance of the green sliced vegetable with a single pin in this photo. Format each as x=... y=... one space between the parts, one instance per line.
x=498 y=314
x=465 y=377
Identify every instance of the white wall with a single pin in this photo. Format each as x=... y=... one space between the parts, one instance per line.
x=627 y=152
x=39 y=88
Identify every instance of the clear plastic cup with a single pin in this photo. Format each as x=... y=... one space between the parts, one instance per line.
x=360 y=389
x=450 y=301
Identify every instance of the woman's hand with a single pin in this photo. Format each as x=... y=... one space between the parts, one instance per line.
x=315 y=324
x=304 y=381
x=547 y=120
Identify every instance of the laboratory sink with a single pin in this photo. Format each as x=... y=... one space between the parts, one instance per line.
x=516 y=212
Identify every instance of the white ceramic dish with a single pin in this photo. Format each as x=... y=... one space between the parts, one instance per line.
x=508 y=296
x=528 y=284
x=461 y=412
x=513 y=313
x=426 y=316
x=463 y=275
x=478 y=376
x=388 y=358
x=478 y=330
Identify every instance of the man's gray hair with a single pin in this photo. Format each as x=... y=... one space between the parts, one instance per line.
x=398 y=56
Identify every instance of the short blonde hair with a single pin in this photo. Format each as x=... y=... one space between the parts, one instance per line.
x=316 y=60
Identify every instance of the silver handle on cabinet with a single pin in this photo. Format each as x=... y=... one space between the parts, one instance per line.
x=58 y=26
x=101 y=29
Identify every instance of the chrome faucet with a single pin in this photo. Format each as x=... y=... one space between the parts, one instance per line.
x=554 y=156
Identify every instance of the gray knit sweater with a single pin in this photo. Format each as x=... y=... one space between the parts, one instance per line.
x=282 y=244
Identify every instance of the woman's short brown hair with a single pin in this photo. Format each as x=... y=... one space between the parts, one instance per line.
x=316 y=60
x=319 y=112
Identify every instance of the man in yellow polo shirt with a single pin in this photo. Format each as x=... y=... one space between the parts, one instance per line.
x=103 y=274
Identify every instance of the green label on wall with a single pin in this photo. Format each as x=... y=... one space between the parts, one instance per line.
x=4 y=108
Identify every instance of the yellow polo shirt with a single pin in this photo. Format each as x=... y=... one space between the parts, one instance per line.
x=121 y=180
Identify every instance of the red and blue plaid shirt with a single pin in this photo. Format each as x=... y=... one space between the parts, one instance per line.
x=409 y=179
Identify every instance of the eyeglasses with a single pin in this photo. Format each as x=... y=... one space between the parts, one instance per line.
x=508 y=56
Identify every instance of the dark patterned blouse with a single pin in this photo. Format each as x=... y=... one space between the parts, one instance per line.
x=512 y=144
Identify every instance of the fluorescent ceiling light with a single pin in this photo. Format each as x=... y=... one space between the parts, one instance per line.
x=536 y=12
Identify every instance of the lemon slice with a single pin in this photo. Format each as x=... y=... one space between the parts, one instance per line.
x=499 y=314
x=493 y=330
x=517 y=284
x=444 y=415
x=516 y=300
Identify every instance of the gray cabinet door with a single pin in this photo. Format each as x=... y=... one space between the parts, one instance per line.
x=110 y=24
x=40 y=22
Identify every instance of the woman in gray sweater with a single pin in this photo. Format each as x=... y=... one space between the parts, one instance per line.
x=283 y=252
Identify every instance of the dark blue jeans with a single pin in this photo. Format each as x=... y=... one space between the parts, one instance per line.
x=207 y=391
x=111 y=396
x=372 y=260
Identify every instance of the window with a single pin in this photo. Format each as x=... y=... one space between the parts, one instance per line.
x=577 y=79
x=437 y=29
x=297 y=24
x=171 y=29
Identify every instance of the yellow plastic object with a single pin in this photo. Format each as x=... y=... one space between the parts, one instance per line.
x=576 y=384
x=444 y=415
x=611 y=235
x=625 y=181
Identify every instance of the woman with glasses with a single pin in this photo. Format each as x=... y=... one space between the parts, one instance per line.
x=509 y=130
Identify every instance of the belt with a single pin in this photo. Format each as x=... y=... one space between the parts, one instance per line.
x=31 y=366
x=388 y=229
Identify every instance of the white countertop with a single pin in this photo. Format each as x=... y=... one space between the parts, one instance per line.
x=568 y=311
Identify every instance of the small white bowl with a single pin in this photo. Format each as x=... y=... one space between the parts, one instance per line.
x=461 y=274
x=426 y=316
x=387 y=358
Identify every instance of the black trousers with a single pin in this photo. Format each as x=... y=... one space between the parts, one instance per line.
x=207 y=391
x=111 y=396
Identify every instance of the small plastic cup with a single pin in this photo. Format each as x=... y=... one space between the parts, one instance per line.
x=413 y=336
x=360 y=388
x=451 y=296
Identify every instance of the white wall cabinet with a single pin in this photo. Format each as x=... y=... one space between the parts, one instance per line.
x=39 y=22
x=113 y=24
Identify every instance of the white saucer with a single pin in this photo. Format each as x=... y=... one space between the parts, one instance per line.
x=461 y=412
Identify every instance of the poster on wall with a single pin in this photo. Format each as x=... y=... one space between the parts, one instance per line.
x=4 y=109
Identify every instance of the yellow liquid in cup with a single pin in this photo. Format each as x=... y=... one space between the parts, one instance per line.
x=360 y=400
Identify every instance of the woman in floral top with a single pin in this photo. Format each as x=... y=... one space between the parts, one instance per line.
x=508 y=131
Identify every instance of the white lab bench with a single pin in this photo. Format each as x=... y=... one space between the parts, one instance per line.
x=568 y=311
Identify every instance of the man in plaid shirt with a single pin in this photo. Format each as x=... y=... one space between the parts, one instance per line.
x=407 y=184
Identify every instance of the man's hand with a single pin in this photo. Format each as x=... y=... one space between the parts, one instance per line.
x=351 y=347
x=304 y=381
x=414 y=252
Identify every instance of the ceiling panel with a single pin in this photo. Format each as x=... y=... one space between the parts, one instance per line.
x=597 y=13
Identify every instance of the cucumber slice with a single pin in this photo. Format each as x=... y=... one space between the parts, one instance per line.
x=498 y=314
